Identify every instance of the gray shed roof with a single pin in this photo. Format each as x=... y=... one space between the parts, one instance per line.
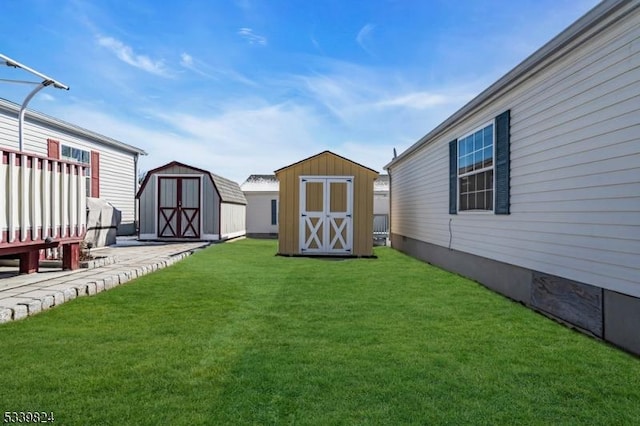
x=228 y=190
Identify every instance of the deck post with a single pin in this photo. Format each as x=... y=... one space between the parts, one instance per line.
x=29 y=261
x=71 y=256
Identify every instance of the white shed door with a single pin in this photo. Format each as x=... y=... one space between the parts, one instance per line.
x=326 y=205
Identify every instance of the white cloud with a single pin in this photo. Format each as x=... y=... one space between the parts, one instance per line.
x=126 y=54
x=363 y=37
x=46 y=97
x=358 y=112
x=189 y=62
x=251 y=37
x=418 y=100
x=246 y=138
x=316 y=44
x=186 y=60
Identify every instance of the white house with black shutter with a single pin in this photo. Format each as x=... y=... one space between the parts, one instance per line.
x=261 y=192
x=533 y=187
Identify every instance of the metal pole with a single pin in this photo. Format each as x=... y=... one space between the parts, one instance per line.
x=46 y=81
x=23 y=110
x=12 y=63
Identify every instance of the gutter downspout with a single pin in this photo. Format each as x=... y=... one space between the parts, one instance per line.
x=390 y=210
x=136 y=220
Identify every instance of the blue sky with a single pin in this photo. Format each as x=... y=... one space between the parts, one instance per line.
x=248 y=86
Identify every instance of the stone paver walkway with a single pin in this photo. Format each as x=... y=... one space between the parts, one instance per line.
x=25 y=295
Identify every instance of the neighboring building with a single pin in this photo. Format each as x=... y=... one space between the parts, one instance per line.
x=261 y=192
x=381 y=194
x=112 y=165
x=178 y=202
x=381 y=207
x=533 y=187
x=326 y=207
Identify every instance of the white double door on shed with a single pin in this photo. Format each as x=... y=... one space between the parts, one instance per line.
x=326 y=208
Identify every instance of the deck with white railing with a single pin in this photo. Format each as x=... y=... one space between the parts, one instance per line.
x=380 y=226
x=43 y=206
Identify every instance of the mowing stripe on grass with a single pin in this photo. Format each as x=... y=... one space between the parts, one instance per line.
x=237 y=335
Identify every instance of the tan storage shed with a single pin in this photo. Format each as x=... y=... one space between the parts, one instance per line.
x=182 y=202
x=326 y=207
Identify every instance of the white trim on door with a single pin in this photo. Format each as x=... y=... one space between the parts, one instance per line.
x=341 y=222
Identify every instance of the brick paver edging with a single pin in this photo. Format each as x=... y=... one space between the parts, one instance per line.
x=48 y=296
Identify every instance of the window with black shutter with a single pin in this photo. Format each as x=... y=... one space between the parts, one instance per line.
x=479 y=169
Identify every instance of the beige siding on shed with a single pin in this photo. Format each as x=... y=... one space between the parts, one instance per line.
x=575 y=169
x=325 y=164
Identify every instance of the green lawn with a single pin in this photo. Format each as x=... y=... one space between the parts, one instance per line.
x=236 y=335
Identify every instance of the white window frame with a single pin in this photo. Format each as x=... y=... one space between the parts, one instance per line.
x=475 y=172
x=88 y=169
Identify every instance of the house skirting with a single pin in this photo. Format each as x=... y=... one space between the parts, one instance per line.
x=263 y=235
x=602 y=313
x=126 y=229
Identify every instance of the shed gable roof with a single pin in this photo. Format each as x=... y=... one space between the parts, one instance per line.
x=325 y=153
x=228 y=190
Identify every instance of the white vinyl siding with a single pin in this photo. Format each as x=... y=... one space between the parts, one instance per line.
x=232 y=220
x=259 y=212
x=575 y=170
x=381 y=203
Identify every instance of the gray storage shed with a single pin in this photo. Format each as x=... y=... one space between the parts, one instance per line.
x=178 y=201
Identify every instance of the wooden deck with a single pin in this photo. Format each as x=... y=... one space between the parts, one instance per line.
x=43 y=205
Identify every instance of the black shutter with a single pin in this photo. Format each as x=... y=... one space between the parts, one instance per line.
x=274 y=212
x=503 y=165
x=453 y=177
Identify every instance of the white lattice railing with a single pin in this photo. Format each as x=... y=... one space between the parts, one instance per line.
x=380 y=225
x=44 y=200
